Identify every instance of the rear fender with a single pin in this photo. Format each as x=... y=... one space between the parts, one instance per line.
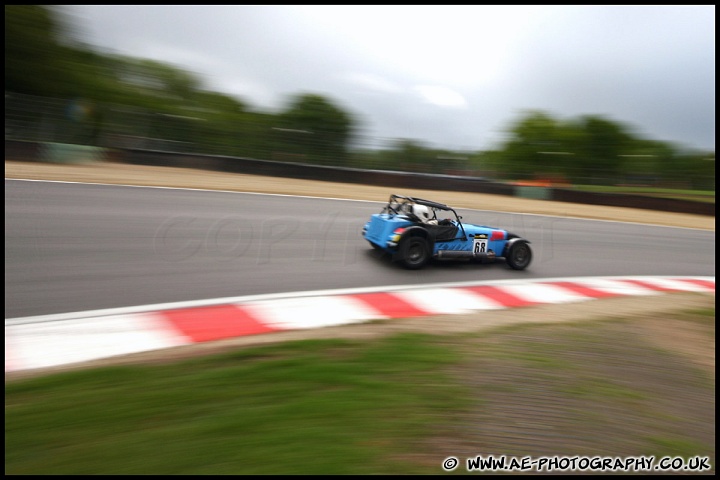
x=416 y=231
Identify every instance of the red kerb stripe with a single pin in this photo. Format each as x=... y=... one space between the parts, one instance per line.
x=204 y=324
x=585 y=290
x=501 y=296
x=650 y=286
x=390 y=305
x=709 y=284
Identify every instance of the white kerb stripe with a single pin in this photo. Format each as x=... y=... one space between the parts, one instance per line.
x=59 y=343
x=617 y=287
x=11 y=363
x=675 y=284
x=441 y=301
x=544 y=293
x=311 y=312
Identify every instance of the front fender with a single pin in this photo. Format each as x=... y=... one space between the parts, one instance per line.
x=513 y=240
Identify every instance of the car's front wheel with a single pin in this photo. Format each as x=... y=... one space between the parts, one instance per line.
x=414 y=253
x=519 y=256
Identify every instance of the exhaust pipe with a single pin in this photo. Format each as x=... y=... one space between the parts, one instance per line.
x=464 y=254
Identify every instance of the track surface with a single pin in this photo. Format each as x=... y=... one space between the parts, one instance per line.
x=73 y=247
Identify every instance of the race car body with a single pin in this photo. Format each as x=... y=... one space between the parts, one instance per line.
x=414 y=231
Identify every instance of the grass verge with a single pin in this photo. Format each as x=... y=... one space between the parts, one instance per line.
x=395 y=405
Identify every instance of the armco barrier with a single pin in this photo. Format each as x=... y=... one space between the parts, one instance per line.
x=302 y=171
x=29 y=151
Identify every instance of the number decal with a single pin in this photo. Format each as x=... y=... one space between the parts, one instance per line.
x=479 y=245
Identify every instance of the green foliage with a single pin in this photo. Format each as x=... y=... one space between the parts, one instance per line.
x=35 y=60
x=156 y=105
x=594 y=150
x=313 y=129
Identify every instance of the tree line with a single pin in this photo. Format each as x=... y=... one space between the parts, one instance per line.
x=112 y=98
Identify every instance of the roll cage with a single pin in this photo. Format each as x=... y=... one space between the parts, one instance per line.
x=402 y=205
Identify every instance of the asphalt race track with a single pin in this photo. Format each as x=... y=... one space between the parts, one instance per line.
x=76 y=247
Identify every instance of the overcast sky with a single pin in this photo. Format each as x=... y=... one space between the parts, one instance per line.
x=453 y=77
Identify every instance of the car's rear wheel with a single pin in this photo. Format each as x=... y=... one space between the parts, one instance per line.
x=414 y=252
x=519 y=256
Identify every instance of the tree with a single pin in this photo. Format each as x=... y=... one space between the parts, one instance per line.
x=39 y=59
x=603 y=145
x=314 y=127
x=529 y=151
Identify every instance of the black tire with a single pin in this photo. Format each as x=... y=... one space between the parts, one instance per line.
x=519 y=256
x=414 y=253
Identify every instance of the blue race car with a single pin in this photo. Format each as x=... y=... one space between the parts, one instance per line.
x=408 y=228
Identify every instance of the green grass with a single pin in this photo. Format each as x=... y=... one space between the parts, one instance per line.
x=397 y=405
x=327 y=406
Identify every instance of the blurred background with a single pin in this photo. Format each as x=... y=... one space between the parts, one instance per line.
x=61 y=90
